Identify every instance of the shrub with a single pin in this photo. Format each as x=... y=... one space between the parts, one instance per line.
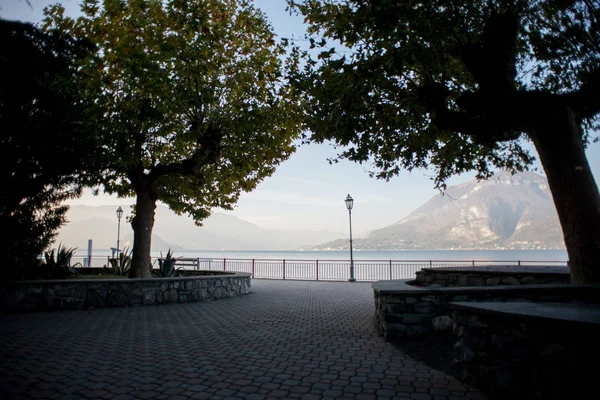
x=166 y=266
x=122 y=263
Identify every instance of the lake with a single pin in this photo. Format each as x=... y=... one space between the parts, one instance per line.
x=446 y=255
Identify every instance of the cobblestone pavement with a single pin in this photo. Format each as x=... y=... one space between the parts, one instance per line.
x=289 y=339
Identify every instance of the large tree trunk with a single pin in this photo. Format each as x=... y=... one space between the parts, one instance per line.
x=560 y=148
x=142 y=224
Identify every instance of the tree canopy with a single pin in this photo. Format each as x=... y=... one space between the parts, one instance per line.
x=190 y=99
x=45 y=157
x=460 y=86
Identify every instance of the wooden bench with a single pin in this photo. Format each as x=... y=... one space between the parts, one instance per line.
x=187 y=263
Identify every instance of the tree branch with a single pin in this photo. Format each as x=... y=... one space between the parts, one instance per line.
x=586 y=101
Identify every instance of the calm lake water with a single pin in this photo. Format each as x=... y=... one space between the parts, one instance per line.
x=445 y=255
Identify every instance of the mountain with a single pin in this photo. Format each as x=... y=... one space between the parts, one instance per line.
x=103 y=232
x=504 y=212
x=219 y=231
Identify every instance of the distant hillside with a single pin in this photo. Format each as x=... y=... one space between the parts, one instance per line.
x=220 y=231
x=103 y=233
x=504 y=212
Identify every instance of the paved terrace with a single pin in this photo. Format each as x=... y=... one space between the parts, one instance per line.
x=289 y=339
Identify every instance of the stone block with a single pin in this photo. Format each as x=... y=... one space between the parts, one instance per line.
x=184 y=296
x=442 y=323
x=62 y=291
x=94 y=299
x=528 y=280
x=117 y=299
x=492 y=281
x=79 y=292
x=171 y=296
x=394 y=308
x=510 y=280
x=433 y=299
x=149 y=297
x=502 y=342
x=476 y=281
x=423 y=308
x=411 y=319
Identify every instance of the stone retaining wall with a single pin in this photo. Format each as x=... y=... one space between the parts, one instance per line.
x=81 y=293
x=545 y=352
x=492 y=276
x=404 y=310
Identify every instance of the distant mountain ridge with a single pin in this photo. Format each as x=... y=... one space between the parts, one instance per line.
x=220 y=232
x=505 y=212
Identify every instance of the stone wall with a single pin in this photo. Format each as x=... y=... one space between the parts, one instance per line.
x=546 y=352
x=492 y=276
x=406 y=310
x=82 y=294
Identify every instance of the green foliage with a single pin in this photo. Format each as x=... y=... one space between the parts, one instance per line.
x=121 y=265
x=451 y=85
x=191 y=98
x=166 y=265
x=56 y=265
x=44 y=156
x=62 y=258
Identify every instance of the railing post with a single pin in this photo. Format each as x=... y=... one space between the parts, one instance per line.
x=198 y=263
x=430 y=263
x=390 y=270
x=317 y=269
x=473 y=262
x=284 y=269
x=224 y=264
x=253 y=268
x=519 y=262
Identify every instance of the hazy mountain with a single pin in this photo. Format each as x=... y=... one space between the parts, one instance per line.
x=103 y=233
x=220 y=231
x=506 y=211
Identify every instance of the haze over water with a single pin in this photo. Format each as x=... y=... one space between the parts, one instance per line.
x=436 y=255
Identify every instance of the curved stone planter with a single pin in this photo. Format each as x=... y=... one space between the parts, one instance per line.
x=69 y=294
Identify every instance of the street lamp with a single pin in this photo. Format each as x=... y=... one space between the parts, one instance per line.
x=349 y=203
x=119 y=215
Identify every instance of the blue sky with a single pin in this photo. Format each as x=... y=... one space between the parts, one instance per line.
x=305 y=192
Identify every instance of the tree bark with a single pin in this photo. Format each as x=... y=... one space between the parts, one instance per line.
x=574 y=190
x=142 y=224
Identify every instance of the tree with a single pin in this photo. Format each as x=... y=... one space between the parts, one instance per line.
x=44 y=156
x=190 y=99
x=462 y=85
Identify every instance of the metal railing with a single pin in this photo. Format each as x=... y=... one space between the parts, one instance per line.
x=327 y=270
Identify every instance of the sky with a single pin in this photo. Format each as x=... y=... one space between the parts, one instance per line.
x=305 y=192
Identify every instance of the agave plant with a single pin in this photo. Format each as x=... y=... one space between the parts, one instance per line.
x=62 y=259
x=166 y=265
x=122 y=263
x=57 y=263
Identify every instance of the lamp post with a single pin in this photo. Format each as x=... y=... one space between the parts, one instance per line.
x=349 y=203
x=119 y=215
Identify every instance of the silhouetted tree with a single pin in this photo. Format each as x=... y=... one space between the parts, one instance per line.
x=459 y=86
x=192 y=102
x=44 y=156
